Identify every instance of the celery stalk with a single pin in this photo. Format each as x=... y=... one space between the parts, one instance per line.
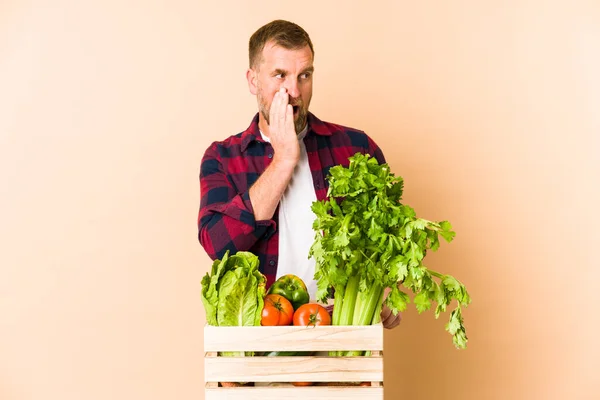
x=370 y=306
x=377 y=314
x=349 y=302
x=361 y=299
x=337 y=312
x=338 y=303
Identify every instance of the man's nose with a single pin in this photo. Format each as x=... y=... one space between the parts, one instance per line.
x=291 y=85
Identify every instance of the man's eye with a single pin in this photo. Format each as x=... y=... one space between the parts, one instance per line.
x=305 y=75
x=279 y=76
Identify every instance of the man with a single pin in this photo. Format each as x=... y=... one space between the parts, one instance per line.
x=257 y=187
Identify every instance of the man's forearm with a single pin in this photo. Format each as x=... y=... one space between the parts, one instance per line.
x=268 y=189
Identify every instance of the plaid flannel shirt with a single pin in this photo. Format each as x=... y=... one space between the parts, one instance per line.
x=230 y=167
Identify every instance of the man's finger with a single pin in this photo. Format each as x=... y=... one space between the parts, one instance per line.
x=387 y=322
x=391 y=321
x=385 y=312
x=289 y=119
x=394 y=323
x=284 y=100
x=274 y=108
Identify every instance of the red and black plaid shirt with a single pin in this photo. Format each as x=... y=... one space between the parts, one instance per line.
x=228 y=170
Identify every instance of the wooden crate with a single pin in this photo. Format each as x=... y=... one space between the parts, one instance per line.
x=327 y=372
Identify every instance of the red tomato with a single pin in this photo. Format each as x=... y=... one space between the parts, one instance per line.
x=311 y=314
x=277 y=311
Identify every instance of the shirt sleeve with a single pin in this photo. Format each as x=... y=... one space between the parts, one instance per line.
x=375 y=151
x=226 y=218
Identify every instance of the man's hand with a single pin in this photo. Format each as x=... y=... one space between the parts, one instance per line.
x=388 y=319
x=282 y=132
x=268 y=189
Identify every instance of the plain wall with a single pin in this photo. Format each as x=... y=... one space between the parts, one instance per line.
x=488 y=110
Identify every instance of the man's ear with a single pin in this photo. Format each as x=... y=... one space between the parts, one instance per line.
x=252 y=77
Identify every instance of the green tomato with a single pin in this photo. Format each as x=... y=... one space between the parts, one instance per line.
x=292 y=288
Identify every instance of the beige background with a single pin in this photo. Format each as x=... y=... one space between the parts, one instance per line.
x=490 y=113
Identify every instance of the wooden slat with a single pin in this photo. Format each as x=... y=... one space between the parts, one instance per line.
x=292 y=338
x=293 y=369
x=293 y=393
x=376 y=354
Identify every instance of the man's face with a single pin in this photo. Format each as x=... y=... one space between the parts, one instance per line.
x=291 y=69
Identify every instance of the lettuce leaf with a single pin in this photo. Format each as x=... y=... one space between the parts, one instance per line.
x=234 y=290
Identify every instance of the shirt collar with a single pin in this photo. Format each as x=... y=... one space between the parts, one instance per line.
x=300 y=135
x=252 y=133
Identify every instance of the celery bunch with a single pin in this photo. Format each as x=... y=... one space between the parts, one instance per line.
x=366 y=240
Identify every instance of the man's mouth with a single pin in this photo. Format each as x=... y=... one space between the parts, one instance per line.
x=296 y=110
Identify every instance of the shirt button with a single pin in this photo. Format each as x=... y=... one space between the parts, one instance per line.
x=270 y=155
x=318 y=185
x=271 y=262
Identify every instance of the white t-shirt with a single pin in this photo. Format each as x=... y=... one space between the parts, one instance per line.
x=295 y=223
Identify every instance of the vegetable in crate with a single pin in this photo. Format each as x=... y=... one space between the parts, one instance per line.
x=277 y=311
x=292 y=288
x=311 y=314
x=366 y=240
x=233 y=293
